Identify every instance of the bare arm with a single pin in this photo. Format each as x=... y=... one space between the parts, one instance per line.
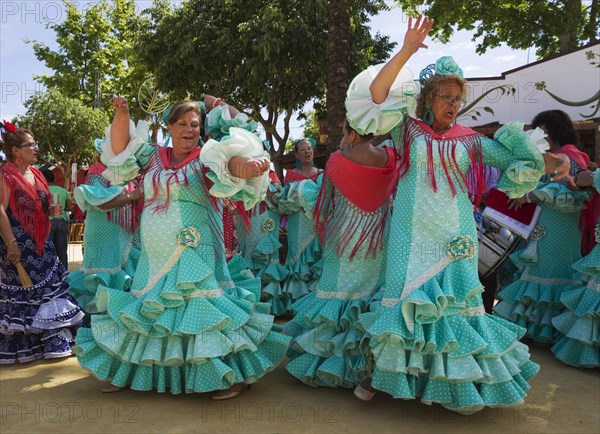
x=13 y=253
x=122 y=199
x=413 y=40
x=119 y=132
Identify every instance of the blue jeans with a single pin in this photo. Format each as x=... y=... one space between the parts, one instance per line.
x=58 y=235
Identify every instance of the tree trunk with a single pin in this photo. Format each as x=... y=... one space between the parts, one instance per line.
x=337 y=73
x=567 y=41
x=592 y=29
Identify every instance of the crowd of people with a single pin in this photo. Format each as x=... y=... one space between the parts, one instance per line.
x=181 y=278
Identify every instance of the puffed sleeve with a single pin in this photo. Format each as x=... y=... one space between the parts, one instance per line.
x=517 y=155
x=219 y=121
x=367 y=117
x=215 y=156
x=97 y=191
x=125 y=166
x=559 y=197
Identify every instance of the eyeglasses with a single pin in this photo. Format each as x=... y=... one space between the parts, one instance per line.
x=448 y=99
x=29 y=145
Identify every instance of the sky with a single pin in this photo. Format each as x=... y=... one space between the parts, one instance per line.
x=23 y=20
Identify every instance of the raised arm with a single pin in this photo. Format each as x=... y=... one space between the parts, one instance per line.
x=413 y=40
x=119 y=132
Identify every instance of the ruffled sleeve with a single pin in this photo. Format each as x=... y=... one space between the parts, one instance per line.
x=125 y=166
x=308 y=193
x=597 y=180
x=365 y=116
x=272 y=201
x=219 y=121
x=215 y=156
x=559 y=197
x=92 y=195
x=517 y=155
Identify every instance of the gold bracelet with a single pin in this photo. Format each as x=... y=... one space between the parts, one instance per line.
x=13 y=241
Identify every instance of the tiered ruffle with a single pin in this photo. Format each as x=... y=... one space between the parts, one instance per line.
x=174 y=338
x=327 y=333
x=438 y=344
x=40 y=321
x=579 y=326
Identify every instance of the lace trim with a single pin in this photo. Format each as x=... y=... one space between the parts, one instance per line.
x=435 y=269
x=302 y=248
x=226 y=284
x=473 y=311
x=206 y=293
x=342 y=295
x=595 y=286
x=546 y=281
x=164 y=270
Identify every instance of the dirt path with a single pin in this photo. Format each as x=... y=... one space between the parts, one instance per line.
x=59 y=397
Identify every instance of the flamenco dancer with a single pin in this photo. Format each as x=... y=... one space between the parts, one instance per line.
x=303 y=262
x=429 y=335
x=38 y=317
x=351 y=209
x=181 y=327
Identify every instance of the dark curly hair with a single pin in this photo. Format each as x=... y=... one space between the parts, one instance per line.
x=558 y=125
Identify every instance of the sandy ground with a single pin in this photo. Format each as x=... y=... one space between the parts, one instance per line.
x=58 y=396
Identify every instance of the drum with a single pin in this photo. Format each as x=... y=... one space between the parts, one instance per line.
x=496 y=242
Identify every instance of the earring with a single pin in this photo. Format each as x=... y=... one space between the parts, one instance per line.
x=18 y=161
x=428 y=115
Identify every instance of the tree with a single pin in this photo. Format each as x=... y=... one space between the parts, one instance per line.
x=267 y=57
x=553 y=26
x=64 y=127
x=97 y=41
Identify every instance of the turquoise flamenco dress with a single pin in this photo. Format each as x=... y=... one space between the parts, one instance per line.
x=430 y=335
x=351 y=216
x=111 y=251
x=185 y=325
x=259 y=246
x=303 y=262
x=544 y=272
x=578 y=342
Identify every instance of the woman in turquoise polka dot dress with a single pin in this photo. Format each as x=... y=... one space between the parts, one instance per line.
x=111 y=254
x=259 y=245
x=179 y=328
x=534 y=298
x=351 y=207
x=578 y=342
x=429 y=335
x=303 y=262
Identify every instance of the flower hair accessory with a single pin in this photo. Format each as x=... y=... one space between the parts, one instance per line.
x=445 y=65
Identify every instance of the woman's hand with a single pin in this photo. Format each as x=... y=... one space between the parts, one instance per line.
x=558 y=165
x=415 y=35
x=13 y=253
x=120 y=104
x=136 y=194
x=247 y=168
x=584 y=179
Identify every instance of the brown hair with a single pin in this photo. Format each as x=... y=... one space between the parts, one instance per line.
x=432 y=85
x=14 y=139
x=181 y=108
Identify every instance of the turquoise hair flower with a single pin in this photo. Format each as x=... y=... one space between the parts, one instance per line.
x=446 y=65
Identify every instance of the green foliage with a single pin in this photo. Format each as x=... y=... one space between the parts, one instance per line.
x=266 y=57
x=64 y=127
x=98 y=39
x=311 y=125
x=553 y=26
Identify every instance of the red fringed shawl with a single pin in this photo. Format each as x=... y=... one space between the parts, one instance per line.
x=445 y=146
x=161 y=160
x=364 y=204
x=26 y=203
x=292 y=175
